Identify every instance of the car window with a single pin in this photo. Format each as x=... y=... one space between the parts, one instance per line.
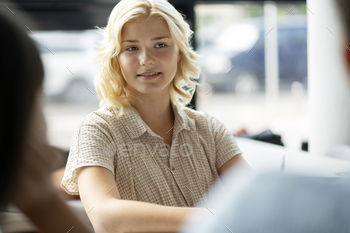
x=233 y=83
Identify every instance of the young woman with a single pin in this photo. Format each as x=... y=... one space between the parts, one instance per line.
x=26 y=159
x=144 y=158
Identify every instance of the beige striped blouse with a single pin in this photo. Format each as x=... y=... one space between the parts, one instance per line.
x=145 y=169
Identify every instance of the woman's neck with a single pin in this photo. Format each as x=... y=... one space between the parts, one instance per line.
x=156 y=112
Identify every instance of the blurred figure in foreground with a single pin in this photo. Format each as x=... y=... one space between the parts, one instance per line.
x=26 y=159
x=276 y=203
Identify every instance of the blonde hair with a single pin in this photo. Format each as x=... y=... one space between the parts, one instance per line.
x=109 y=82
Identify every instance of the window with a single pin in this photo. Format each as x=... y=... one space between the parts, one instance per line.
x=231 y=40
x=68 y=85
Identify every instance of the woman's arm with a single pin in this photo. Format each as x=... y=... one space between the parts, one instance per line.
x=237 y=162
x=108 y=213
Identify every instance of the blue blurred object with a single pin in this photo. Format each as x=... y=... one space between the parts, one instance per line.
x=279 y=202
x=242 y=46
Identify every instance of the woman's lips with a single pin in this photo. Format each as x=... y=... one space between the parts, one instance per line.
x=149 y=77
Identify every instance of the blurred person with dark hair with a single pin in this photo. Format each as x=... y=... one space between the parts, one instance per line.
x=26 y=159
x=278 y=202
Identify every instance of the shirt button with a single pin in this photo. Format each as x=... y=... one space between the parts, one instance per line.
x=172 y=168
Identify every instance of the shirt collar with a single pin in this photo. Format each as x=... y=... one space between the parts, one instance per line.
x=135 y=126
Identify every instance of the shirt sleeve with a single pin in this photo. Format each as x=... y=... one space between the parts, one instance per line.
x=92 y=145
x=226 y=145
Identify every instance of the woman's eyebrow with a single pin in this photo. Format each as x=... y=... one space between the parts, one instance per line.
x=155 y=38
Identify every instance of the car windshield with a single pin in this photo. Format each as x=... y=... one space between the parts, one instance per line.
x=44 y=49
x=62 y=41
x=238 y=37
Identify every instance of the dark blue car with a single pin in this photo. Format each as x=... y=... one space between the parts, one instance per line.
x=242 y=47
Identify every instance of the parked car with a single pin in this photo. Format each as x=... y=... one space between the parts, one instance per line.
x=242 y=46
x=68 y=64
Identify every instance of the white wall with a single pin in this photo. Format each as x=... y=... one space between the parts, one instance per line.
x=329 y=82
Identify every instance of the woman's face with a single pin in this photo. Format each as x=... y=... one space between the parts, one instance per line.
x=147 y=47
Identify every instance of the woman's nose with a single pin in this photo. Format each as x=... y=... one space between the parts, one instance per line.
x=146 y=58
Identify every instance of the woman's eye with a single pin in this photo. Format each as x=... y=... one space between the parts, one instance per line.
x=161 y=45
x=130 y=48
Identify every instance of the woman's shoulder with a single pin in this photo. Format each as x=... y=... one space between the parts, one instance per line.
x=97 y=125
x=202 y=120
x=101 y=118
x=103 y=114
x=199 y=116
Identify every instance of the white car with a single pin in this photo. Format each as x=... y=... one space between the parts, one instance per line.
x=68 y=64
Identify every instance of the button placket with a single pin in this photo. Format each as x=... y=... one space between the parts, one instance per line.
x=151 y=163
x=172 y=151
x=175 y=162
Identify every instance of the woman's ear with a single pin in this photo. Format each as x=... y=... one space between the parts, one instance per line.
x=179 y=57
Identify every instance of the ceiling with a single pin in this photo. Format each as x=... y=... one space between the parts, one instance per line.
x=83 y=14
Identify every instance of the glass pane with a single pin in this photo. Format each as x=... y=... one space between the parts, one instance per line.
x=68 y=85
x=231 y=40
